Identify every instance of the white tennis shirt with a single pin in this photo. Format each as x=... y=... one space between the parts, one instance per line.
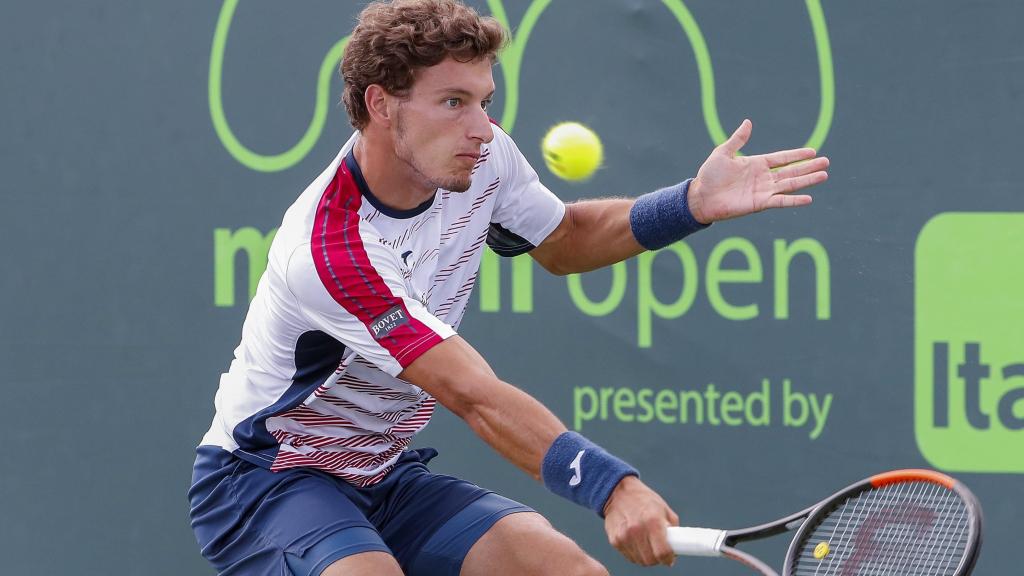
x=353 y=293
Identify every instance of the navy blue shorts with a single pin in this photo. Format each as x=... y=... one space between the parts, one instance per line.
x=249 y=520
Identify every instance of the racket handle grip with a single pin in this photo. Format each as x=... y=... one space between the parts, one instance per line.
x=686 y=541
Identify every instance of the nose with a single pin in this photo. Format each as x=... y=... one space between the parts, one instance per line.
x=480 y=126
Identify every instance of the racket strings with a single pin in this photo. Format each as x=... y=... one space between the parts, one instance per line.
x=899 y=531
x=924 y=552
x=904 y=543
x=907 y=528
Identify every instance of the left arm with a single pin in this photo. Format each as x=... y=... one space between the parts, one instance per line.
x=597 y=233
x=592 y=234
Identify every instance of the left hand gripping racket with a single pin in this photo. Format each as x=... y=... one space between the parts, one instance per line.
x=904 y=522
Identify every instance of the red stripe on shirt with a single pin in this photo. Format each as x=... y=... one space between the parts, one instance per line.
x=346 y=271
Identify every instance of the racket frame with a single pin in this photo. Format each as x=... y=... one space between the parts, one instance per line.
x=805 y=520
x=829 y=504
x=733 y=537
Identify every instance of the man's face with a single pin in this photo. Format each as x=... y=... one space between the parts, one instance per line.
x=440 y=127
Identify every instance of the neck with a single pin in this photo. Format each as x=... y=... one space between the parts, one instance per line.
x=392 y=180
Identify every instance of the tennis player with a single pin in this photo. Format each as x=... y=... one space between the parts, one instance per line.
x=351 y=338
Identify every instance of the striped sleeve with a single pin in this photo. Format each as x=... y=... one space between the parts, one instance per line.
x=525 y=211
x=350 y=286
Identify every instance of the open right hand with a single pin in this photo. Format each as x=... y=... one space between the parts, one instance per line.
x=728 y=185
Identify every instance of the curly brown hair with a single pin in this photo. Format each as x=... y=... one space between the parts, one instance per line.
x=394 y=39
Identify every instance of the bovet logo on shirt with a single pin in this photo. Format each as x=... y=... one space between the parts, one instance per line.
x=388 y=321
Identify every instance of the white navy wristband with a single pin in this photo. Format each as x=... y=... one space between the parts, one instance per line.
x=662 y=217
x=579 y=470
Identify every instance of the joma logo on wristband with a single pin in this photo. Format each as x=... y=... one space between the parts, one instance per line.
x=576 y=467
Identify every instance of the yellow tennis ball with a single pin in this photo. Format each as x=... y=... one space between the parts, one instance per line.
x=572 y=151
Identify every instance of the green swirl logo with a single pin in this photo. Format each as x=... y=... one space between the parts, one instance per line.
x=510 y=65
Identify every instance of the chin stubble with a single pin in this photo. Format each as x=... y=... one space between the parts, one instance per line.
x=452 y=184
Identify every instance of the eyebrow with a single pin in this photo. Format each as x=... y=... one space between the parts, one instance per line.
x=463 y=92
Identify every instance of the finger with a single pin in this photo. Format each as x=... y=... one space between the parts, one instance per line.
x=672 y=519
x=636 y=547
x=660 y=547
x=800 y=169
x=650 y=555
x=636 y=554
x=783 y=157
x=786 y=201
x=738 y=139
x=640 y=549
x=790 y=185
x=627 y=547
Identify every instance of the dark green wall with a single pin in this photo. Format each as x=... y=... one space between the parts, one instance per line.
x=117 y=315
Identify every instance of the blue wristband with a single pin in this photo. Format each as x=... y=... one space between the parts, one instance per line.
x=577 y=469
x=662 y=217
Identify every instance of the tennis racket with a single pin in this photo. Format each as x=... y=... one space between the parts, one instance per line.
x=904 y=522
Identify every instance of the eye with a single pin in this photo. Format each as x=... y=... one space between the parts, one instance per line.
x=452 y=102
x=484 y=104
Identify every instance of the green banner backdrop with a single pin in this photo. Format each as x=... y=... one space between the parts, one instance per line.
x=150 y=149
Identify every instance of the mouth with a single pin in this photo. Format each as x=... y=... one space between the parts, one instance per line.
x=472 y=155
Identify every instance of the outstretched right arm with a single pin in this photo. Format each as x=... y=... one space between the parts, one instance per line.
x=526 y=433
x=511 y=421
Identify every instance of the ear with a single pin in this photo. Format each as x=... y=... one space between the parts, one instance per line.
x=379 y=105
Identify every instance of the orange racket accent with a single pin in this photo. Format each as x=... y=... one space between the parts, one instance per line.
x=912 y=475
